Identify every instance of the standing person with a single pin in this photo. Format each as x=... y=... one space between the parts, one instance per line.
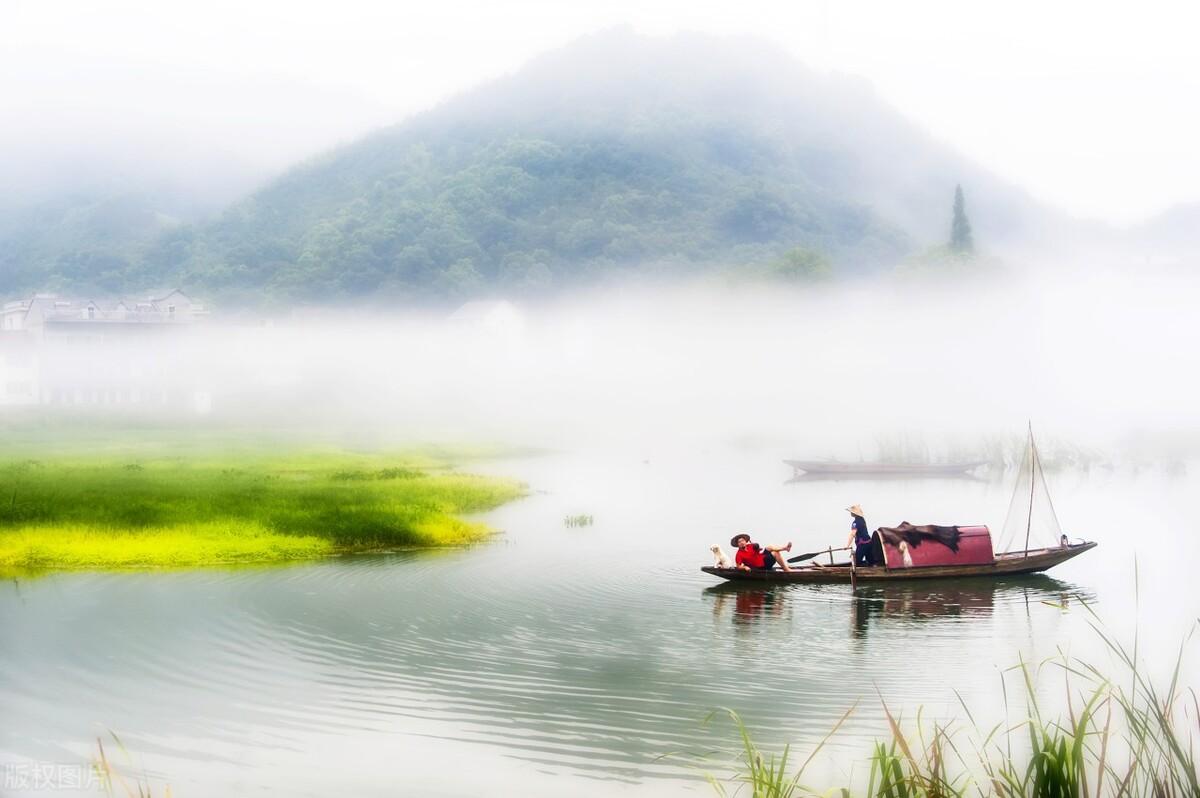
x=859 y=538
x=753 y=557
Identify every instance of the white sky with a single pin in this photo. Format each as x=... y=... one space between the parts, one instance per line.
x=1092 y=106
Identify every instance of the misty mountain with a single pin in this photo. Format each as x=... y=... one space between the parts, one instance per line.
x=82 y=241
x=1175 y=231
x=88 y=226
x=616 y=154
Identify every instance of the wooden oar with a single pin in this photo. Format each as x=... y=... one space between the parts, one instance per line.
x=811 y=554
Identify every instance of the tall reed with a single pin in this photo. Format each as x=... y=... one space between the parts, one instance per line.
x=1119 y=734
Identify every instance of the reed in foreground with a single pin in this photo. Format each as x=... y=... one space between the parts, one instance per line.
x=1119 y=734
x=118 y=780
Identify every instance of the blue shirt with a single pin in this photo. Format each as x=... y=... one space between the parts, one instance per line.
x=859 y=525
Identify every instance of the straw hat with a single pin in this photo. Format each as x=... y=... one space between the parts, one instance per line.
x=854 y=509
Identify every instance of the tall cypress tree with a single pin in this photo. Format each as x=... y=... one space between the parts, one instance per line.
x=960 y=228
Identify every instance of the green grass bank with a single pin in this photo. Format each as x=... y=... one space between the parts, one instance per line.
x=153 y=509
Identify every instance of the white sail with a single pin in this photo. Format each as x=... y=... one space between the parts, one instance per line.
x=1031 y=522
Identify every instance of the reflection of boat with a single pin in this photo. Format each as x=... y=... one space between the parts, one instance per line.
x=952 y=598
x=958 y=596
x=833 y=468
x=916 y=600
x=908 y=552
x=750 y=602
x=913 y=601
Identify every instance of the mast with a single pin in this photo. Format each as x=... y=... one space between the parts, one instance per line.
x=1033 y=466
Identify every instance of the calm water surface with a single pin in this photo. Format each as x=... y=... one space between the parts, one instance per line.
x=569 y=659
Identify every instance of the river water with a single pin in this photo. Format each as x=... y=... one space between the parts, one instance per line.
x=569 y=659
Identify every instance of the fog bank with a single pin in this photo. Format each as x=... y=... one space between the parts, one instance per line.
x=1101 y=358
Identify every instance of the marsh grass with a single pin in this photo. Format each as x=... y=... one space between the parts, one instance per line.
x=120 y=510
x=78 y=546
x=1119 y=734
x=120 y=779
x=765 y=775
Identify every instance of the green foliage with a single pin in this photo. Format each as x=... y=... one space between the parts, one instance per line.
x=55 y=546
x=961 y=240
x=766 y=775
x=167 y=510
x=383 y=473
x=79 y=243
x=454 y=213
x=801 y=264
x=942 y=262
x=473 y=200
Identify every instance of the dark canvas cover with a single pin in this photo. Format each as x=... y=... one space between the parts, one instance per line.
x=948 y=536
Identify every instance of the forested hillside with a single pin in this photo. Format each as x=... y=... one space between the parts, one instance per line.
x=78 y=241
x=618 y=154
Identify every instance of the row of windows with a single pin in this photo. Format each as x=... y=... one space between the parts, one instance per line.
x=91 y=311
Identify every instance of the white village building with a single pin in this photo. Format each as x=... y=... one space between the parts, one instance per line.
x=57 y=350
x=43 y=314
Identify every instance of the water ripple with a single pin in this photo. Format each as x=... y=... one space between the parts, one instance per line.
x=598 y=669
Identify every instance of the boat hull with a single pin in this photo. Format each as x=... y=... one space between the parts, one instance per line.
x=1007 y=564
x=831 y=468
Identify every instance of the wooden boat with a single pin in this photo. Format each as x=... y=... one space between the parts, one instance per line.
x=1006 y=564
x=833 y=468
x=936 y=552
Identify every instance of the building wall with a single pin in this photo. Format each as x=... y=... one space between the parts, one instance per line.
x=12 y=317
x=54 y=352
x=20 y=369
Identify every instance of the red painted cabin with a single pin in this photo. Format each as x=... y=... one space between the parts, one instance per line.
x=974 y=548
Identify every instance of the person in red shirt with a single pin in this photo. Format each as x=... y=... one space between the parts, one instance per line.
x=753 y=557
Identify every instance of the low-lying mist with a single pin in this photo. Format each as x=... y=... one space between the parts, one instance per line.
x=1103 y=358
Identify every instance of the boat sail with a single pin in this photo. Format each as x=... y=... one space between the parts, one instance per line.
x=1031 y=516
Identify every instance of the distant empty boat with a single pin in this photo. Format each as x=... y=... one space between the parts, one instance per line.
x=876 y=469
